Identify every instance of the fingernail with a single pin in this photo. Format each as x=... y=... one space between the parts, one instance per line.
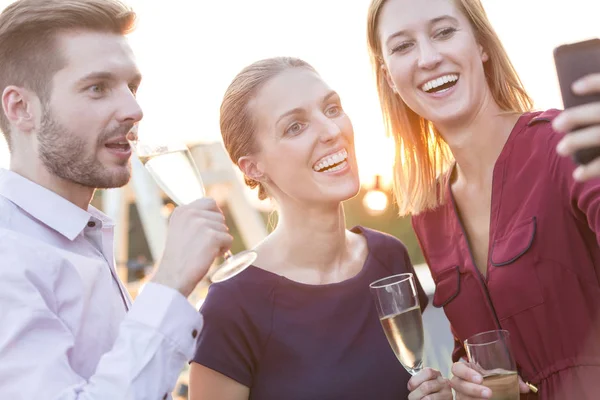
x=486 y=392
x=579 y=86
x=561 y=148
x=558 y=123
x=578 y=174
x=477 y=379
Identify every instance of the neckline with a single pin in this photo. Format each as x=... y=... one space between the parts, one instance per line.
x=307 y=286
x=521 y=123
x=519 y=126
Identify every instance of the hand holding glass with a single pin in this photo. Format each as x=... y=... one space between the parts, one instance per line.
x=397 y=303
x=490 y=354
x=174 y=170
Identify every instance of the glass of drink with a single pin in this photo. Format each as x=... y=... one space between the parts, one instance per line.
x=174 y=170
x=490 y=354
x=397 y=303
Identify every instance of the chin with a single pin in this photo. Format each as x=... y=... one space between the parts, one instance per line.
x=113 y=178
x=354 y=192
x=121 y=179
x=117 y=183
x=347 y=193
x=451 y=115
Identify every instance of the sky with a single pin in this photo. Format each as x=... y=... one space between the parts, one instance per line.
x=189 y=50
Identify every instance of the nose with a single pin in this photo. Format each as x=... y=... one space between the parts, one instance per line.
x=129 y=110
x=429 y=56
x=330 y=130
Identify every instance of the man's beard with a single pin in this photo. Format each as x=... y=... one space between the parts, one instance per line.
x=64 y=154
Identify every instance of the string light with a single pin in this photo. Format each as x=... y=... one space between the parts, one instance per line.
x=376 y=200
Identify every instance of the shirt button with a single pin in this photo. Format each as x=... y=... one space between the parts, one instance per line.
x=194 y=333
x=165 y=396
x=91 y=224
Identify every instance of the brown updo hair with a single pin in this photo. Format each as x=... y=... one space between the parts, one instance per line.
x=238 y=125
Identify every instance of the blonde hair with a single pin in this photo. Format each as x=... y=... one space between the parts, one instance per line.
x=238 y=125
x=28 y=30
x=422 y=157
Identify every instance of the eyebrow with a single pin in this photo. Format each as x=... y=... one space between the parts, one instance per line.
x=431 y=22
x=298 y=110
x=109 y=76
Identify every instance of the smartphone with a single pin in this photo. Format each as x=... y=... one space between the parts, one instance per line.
x=574 y=61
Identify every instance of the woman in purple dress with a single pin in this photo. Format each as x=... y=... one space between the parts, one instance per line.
x=510 y=229
x=301 y=323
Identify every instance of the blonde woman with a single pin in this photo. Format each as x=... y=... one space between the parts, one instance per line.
x=510 y=237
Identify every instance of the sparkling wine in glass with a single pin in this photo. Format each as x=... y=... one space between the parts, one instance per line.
x=490 y=354
x=174 y=170
x=397 y=302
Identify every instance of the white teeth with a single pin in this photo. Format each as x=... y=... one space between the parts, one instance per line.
x=434 y=83
x=337 y=167
x=331 y=160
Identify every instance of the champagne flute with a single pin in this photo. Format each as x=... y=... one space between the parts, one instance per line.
x=397 y=302
x=489 y=353
x=174 y=170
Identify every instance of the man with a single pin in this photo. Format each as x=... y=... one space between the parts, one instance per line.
x=68 y=329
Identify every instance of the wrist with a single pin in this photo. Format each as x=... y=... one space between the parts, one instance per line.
x=170 y=281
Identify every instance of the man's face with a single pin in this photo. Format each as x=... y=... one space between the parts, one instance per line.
x=91 y=109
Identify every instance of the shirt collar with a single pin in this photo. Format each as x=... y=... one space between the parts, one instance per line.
x=48 y=207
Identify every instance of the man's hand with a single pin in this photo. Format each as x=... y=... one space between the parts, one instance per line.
x=197 y=234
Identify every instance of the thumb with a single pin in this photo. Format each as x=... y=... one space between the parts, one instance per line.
x=523 y=387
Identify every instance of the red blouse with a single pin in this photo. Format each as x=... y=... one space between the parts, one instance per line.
x=543 y=270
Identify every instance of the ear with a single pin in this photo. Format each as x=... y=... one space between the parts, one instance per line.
x=251 y=168
x=484 y=54
x=20 y=107
x=388 y=78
